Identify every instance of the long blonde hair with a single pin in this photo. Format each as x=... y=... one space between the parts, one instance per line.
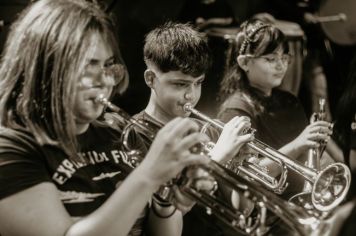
x=43 y=58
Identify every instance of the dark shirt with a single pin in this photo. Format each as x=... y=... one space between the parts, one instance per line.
x=83 y=185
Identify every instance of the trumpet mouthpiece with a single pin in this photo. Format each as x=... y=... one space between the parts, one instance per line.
x=342 y=16
x=101 y=99
x=187 y=107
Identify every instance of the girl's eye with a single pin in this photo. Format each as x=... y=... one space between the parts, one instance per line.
x=110 y=63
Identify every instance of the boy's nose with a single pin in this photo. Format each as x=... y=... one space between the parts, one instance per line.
x=190 y=93
x=188 y=96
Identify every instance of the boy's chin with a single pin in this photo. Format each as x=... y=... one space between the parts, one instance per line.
x=185 y=114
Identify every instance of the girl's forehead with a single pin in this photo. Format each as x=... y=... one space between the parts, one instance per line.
x=278 y=50
x=99 y=48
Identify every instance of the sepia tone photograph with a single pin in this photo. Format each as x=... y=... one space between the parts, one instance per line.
x=177 y=117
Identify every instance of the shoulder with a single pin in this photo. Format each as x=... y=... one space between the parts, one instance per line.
x=23 y=162
x=140 y=115
x=144 y=123
x=17 y=141
x=239 y=102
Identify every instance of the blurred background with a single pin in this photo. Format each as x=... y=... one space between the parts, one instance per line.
x=321 y=34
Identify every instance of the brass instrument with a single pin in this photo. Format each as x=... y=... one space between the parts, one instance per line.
x=313 y=161
x=126 y=122
x=330 y=185
x=267 y=205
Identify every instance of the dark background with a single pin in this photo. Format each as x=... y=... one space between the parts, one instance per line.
x=135 y=18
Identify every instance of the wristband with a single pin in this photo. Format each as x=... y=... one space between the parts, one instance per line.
x=164 y=206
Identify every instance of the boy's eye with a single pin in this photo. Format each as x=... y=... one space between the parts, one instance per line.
x=270 y=59
x=180 y=84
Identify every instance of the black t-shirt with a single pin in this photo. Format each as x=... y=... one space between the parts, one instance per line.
x=83 y=186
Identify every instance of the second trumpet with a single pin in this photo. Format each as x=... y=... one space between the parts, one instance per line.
x=329 y=186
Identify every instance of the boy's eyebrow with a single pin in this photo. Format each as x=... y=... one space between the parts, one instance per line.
x=190 y=80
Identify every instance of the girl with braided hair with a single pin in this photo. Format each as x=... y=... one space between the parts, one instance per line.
x=250 y=88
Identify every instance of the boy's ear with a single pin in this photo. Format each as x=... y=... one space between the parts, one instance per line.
x=243 y=60
x=149 y=77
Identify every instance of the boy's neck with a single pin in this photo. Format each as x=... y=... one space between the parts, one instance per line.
x=156 y=112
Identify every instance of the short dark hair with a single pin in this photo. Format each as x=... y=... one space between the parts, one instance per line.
x=178 y=47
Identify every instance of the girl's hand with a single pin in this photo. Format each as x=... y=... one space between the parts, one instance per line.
x=314 y=134
x=198 y=179
x=170 y=152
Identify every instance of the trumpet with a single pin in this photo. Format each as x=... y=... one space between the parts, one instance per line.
x=329 y=186
x=313 y=161
x=264 y=201
x=124 y=120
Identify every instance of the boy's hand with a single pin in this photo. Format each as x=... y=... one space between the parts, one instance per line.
x=232 y=138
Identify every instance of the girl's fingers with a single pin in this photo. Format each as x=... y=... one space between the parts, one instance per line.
x=196 y=159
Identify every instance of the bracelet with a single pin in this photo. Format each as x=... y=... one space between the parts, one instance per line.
x=159 y=214
x=160 y=201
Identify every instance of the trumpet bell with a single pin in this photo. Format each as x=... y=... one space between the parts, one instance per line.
x=331 y=186
x=329 y=190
